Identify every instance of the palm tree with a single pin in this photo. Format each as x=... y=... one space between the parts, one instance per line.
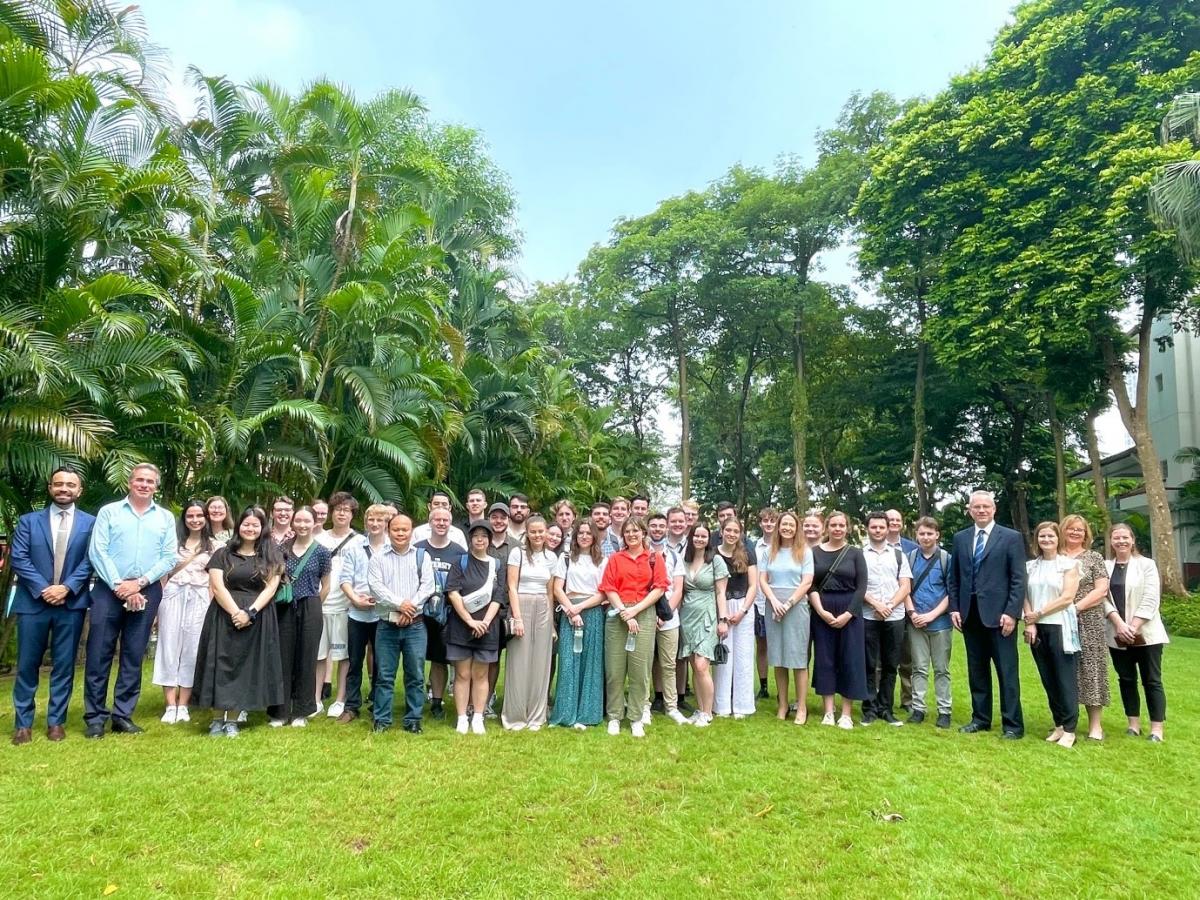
x=1175 y=192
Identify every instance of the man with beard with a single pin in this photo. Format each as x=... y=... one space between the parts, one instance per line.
x=518 y=512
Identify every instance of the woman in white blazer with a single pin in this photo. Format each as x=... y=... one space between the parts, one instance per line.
x=1135 y=631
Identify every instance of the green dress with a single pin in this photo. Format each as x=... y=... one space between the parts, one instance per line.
x=698 y=612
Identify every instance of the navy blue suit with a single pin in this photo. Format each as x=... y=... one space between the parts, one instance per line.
x=40 y=625
x=981 y=596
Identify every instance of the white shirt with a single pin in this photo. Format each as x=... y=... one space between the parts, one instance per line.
x=424 y=532
x=987 y=536
x=883 y=579
x=580 y=576
x=336 y=601
x=1045 y=583
x=535 y=569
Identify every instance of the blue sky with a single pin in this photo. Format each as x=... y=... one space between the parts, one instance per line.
x=598 y=110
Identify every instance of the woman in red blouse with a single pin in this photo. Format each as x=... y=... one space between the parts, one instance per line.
x=634 y=579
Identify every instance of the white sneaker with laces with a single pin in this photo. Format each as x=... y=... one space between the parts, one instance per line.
x=845 y=723
x=828 y=719
x=614 y=726
x=182 y=714
x=700 y=720
x=299 y=722
x=677 y=717
x=645 y=720
x=638 y=729
x=477 y=724
x=336 y=709
x=463 y=726
x=169 y=717
x=277 y=723
x=320 y=709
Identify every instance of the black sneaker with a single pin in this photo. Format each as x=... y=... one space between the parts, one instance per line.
x=916 y=718
x=762 y=693
x=684 y=707
x=379 y=728
x=890 y=719
x=943 y=720
x=412 y=727
x=905 y=708
x=658 y=706
x=868 y=718
x=436 y=709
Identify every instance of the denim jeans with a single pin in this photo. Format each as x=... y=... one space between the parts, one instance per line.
x=393 y=644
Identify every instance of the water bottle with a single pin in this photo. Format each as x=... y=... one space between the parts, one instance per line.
x=577 y=645
x=630 y=642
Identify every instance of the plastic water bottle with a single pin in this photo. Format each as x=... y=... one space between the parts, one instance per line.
x=577 y=645
x=630 y=642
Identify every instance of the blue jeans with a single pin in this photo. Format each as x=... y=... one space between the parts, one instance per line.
x=392 y=643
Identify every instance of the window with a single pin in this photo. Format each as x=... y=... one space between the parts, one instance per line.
x=1164 y=470
x=1158 y=383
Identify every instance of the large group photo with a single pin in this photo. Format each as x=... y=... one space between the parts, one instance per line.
x=453 y=452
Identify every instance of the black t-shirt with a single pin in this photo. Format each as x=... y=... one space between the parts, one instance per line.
x=1116 y=587
x=466 y=582
x=442 y=558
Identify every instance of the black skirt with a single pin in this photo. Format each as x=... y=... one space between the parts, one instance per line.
x=238 y=668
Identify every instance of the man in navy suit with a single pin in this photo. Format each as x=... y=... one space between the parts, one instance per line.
x=50 y=559
x=987 y=590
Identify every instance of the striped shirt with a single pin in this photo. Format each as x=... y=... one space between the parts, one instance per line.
x=393 y=579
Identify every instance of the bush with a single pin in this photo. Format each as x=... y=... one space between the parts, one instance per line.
x=1181 y=615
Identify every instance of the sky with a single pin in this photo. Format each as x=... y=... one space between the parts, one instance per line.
x=599 y=110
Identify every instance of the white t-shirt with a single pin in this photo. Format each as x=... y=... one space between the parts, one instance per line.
x=678 y=568
x=883 y=579
x=536 y=569
x=424 y=532
x=336 y=601
x=1045 y=583
x=580 y=576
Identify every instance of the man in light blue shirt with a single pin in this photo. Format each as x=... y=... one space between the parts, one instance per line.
x=132 y=546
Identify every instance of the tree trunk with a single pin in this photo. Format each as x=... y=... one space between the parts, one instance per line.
x=918 y=464
x=1098 y=483
x=685 y=436
x=1060 y=456
x=1014 y=481
x=1133 y=415
x=799 y=412
x=740 y=422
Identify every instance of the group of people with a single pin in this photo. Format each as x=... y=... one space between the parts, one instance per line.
x=600 y=618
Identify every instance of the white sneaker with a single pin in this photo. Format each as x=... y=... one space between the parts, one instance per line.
x=677 y=717
x=463 y=726
x=828 y=719
x=182 y=715
x=579 y=726
x=336 y=709
x=242 y=717
x=638 y=729
x=169 y=717
x=477 y=724
x=535 y=727
x=845 y=723
x=299 y=722
x=277 y=723
x=737 y=717
x=614 y=726
x=701 y=720
x=645 y=720
x=320 y=709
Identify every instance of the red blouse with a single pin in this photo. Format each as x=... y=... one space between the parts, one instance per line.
x=632 y=577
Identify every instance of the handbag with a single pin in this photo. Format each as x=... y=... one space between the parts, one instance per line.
x=662 y=606
x=285 y=594
x=720 y=654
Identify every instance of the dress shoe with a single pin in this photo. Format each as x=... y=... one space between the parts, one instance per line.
x=56 y=732
x=22 y=736
x=659 y=705
x=868 y=718
x=1012 y=735
x=412 y=727
x=916 y=718
x=890 y=719
x=94 y=731
x=379 y=728
x=973 y=726
x=347 y=717
x=943 y=720
x=126 y=726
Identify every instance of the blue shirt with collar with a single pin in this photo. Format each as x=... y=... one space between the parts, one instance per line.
x=126 y=544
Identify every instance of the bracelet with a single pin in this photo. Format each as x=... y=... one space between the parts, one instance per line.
x=724 y=619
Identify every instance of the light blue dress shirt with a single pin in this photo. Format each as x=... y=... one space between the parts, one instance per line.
x=127 y=545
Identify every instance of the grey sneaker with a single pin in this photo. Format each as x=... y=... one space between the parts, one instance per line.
x=231 y=729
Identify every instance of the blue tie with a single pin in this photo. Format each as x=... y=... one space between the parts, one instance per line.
x=980 y=537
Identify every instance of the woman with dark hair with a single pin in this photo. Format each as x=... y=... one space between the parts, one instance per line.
x=220 y=518
x=733 y=682
x=185 y=601
x=237 y=664
x=579 y=695
x=703 y=615
x=476 y=589
x=531 y=645
x=554 y=538
x=1135 y=631
x=306 y=583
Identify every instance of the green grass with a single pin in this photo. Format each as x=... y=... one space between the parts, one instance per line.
x=741 y=808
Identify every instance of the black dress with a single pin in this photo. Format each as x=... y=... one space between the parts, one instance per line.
x=839 y=654
x=238 y=668
x=457 y=633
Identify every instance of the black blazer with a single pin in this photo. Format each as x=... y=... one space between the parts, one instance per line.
x=999 y=586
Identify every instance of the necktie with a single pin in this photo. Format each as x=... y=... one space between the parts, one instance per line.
x=980 y=537
x=60 y=545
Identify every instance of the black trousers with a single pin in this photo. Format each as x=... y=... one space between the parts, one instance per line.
x=1058 y=670
x=1147 y=660
x=884 y=642
x=300 y=627
x=987 y=647
x=112 y=623
x=361 y=636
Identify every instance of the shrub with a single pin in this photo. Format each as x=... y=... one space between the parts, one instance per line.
x=1181 y=615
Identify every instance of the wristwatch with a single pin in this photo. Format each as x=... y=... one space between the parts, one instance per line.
x=143 y=581
x=724 y=619
x=251 y=613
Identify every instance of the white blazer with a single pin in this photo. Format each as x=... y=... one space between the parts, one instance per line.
x=1143 y=594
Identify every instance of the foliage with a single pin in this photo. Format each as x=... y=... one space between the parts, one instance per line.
x=1181 y=615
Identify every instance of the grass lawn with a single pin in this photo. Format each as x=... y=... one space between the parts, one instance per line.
x=741 y=808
